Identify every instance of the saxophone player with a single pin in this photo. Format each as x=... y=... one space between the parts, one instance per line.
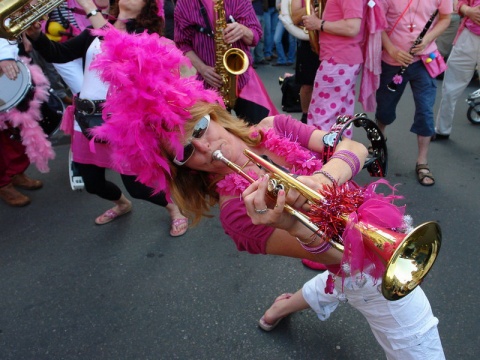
x=203 y=28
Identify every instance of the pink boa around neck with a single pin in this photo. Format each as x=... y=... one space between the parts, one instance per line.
x=37 y=147
x=147 y=103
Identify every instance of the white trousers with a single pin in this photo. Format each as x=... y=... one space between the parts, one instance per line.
x=463 y=60
x=406 y=328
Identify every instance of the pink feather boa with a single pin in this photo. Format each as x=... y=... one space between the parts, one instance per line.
x=37 y=147
x=147 y=103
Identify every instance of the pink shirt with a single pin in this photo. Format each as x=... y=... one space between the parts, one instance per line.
x=417 y=14
x=342 y=49
x=469 y=24
x=233 y=214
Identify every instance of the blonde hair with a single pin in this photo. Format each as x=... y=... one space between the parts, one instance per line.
x=194 y=191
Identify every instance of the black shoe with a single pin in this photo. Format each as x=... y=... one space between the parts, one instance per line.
x=279 y=64
x=439 y=137
x=262 y=62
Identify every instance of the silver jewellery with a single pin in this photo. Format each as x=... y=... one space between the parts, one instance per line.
x=261 y=211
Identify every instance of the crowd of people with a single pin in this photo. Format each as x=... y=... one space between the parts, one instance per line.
x=188 y=143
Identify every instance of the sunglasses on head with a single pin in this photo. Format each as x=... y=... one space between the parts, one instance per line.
x=189 y=149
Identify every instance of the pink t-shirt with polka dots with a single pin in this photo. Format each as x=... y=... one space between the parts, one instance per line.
x=342 y=49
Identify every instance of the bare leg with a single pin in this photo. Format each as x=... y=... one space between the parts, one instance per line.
x=423 y=145
x=179 y=222
x=122 y=206
x=283 y=306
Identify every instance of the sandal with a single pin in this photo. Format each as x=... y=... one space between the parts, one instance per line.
x=421 y=175
x=111 y=215
x=179 y=227
x=264 y=325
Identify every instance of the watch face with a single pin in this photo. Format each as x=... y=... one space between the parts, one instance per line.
x=329 y=139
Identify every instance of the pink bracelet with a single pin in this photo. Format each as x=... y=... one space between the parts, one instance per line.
x=350 y=158
x=327 y=175
x=323 y=247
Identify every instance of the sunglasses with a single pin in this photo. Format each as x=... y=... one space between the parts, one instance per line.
x=198 y=130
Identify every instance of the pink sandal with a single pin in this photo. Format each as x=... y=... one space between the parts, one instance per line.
x=179 y=227
x=263 y=324
x=111 y=215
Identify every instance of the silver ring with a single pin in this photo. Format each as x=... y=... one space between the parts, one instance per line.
x=261 y=211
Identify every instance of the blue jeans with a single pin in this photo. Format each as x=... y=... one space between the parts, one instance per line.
x=292 y=45
x=270 y=18
x=424 y=90
x=258 y=51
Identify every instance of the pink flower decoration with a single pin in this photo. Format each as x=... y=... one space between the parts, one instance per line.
x=397 y=79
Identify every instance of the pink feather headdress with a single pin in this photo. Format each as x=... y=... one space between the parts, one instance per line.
x=148 y=101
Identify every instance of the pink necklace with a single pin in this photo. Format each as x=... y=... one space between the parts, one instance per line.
x=298 y=160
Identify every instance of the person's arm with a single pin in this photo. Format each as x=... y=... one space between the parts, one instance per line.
x=438 y=29
x=344 y=27
x=93 y=11
x=404 y=58
x=246 y=27
x=8 y=56
x=472 y=12
x=297 y=12
x=208 y=72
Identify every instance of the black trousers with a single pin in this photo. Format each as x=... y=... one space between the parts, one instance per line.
x=96 y=183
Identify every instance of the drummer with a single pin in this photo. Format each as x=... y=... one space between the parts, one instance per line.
x=14 y=160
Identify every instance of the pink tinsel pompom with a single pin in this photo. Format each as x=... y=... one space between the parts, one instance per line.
x=397 y=79
x=147 y=103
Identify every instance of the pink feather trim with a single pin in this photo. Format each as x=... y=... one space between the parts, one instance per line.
x=37 y=147
x=147 y=103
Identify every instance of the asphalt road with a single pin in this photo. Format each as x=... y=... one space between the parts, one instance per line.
x=72 y=290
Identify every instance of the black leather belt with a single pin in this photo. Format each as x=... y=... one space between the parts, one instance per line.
x=89 y=107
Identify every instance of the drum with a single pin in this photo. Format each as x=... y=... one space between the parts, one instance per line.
x=12 y=92
x=52 y=113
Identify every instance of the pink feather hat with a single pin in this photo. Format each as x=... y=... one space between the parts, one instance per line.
x=148 y=102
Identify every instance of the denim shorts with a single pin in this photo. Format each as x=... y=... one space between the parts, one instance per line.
x=424 y=89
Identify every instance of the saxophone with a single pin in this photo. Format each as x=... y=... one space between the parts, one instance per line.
x=229 y=61
x=16 y=16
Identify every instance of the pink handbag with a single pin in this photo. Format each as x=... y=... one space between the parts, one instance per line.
x=434 y=63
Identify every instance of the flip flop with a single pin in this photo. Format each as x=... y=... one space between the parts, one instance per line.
x=179 y=227
x=264 y=325
x=111 y=215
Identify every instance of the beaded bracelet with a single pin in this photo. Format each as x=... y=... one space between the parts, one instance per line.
x=323 y=247
x=350 y=158
x=346 y=160
x=313 y=238
x=327 y=175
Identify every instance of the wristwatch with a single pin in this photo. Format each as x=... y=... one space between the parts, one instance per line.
x=93 y=13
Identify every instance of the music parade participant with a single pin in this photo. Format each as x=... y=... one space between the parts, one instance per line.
x=93 y=158
x=199 y=27
x=461 y=66
x=22 y=140
x=307 y=61
x=403 y=42
x=341 y=33
x=191 y=144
